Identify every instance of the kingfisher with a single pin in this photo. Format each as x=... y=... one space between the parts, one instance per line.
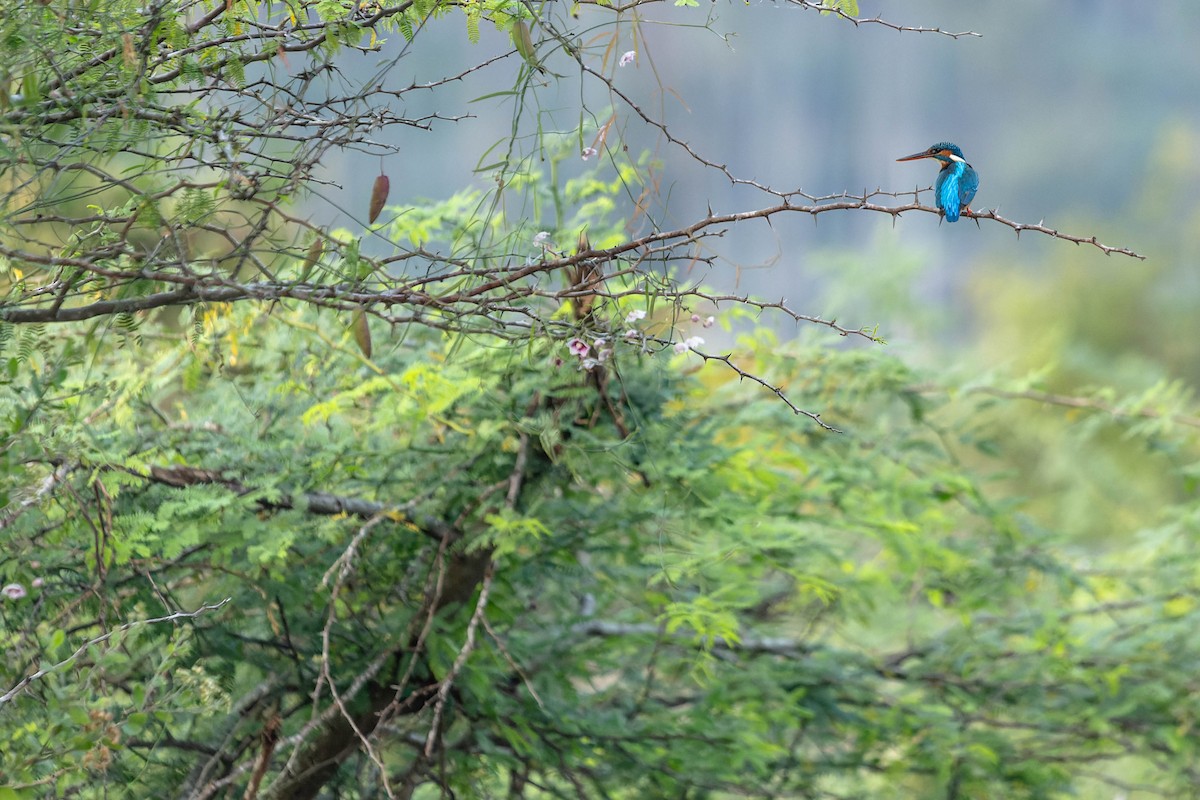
x=956 y=181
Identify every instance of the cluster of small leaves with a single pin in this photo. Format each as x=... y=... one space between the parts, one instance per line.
x=691 y=595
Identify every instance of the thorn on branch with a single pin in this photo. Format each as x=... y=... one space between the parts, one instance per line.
x=818 y=5
x=727 y=360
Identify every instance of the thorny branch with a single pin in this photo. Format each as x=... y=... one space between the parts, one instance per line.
x=127 y=261
x=500 y=285
x=820 y=5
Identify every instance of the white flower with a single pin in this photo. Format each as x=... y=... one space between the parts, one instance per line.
x=627 y=58
x=635 y=315
x=543 y=237
x=708 y=323
x=690 y=343
x=631 y=334
x=578 y=347
x=588 y=152
x=13 y=591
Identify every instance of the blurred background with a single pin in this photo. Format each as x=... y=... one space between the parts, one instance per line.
x=1080 y=113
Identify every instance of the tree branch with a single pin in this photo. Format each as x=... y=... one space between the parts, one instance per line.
x=767 y=645
x=1090 y=404
x=496 y=286
x=321 y=503
x=44 y=671
x=819 y=5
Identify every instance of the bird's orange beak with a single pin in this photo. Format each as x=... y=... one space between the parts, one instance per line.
x=915 y=156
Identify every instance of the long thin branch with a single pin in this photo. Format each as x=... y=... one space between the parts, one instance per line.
x=443 y=692
x=198 y=290
x=343 y=567
x=819 y=5
x=742 y=374
x=322 y=503
x=1019 y=227
x=44 y=671
x=768 y=645
x=1090 y=404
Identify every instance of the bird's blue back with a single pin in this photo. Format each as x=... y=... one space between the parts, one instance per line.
x=955 y=187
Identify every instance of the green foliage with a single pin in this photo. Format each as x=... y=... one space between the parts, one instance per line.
x=501 y=535
x=847 y=7
x=760 y=589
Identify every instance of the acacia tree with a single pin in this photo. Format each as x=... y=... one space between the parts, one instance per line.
x=288 y=518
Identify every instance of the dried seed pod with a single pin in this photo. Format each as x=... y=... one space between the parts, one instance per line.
x=379 y=195
x=312 y=257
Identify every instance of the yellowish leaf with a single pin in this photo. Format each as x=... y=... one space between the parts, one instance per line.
x=524 y=42
x=361 y=331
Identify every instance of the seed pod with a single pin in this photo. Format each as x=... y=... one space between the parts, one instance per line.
x=524 y=42
x=379 y=195
x=312 y=257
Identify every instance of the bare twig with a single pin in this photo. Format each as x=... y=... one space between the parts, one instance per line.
x=769 y=645
x=460 y=660
x=742 y=374
x=506 y=288
x=819 y=5
x=344 y=565
x=44 y=671
x=1019 y=227
x=1090 y=404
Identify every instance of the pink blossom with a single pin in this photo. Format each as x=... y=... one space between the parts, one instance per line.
x=695 y=317
x=627 y=58
x=708 y=323
x=635 y=315
x=13 y=591
x=588 y=152
x=690 y=343
x=38 y=583
x=578 y=347
x=631 y=334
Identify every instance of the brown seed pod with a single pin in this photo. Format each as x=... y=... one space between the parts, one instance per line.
x=379 y=195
